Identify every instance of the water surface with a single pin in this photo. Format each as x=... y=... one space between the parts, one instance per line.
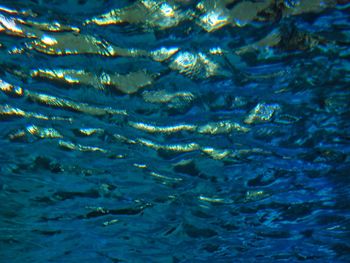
x=174 y=131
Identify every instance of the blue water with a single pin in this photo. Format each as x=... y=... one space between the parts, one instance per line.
x=103 y=171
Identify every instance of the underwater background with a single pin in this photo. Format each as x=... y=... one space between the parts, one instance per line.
x=175 y=131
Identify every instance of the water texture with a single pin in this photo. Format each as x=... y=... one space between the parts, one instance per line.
x=175 y=131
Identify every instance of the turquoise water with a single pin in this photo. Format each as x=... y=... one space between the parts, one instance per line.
x=174 y=131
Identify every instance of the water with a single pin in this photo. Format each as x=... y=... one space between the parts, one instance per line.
x=174 y=131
